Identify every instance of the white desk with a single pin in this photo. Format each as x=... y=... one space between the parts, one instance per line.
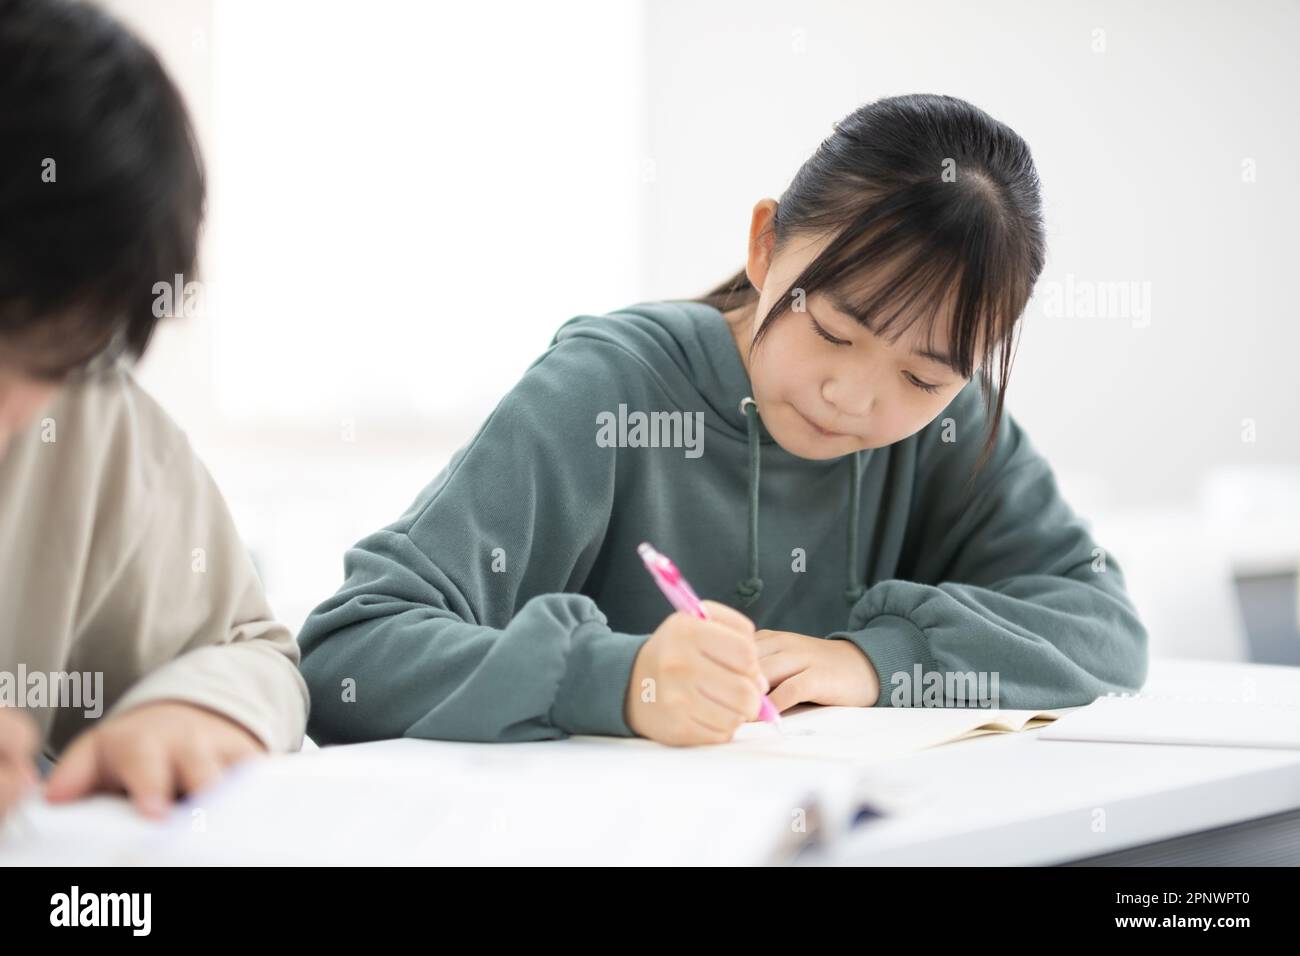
x=1001 y=799
x=1012 y=799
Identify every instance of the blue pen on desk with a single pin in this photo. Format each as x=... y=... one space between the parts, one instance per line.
x=682 y=596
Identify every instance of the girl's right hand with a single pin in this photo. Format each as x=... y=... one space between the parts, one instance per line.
x=696 y=681
x=17 y=744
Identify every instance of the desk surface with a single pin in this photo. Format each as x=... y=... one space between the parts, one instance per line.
x=1012 y=799
x=998 y=799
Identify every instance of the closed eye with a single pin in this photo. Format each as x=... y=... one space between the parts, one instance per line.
x=826 y=335
x=924 y=386
x=920 y=384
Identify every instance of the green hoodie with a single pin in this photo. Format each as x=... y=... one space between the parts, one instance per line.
x=509 y=603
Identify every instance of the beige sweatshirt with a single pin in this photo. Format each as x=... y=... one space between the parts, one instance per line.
x=120 y=567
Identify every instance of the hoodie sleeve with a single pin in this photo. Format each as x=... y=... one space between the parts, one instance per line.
x=462 y=621
x=1002 y=582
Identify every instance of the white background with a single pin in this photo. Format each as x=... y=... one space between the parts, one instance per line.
x=408 y=199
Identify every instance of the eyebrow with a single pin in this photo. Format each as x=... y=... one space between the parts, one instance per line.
x=861 y=318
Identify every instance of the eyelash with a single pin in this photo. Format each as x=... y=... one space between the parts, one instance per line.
x=922 y=385
x=834 y=341
x=826 y=335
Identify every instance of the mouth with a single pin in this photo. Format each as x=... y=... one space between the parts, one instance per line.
x=817 y=428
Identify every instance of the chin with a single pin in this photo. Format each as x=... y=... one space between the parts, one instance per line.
x=797 y=437
x=813 y=449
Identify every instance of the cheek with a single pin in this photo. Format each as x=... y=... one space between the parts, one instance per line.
x=785 y=365
x=902 y=415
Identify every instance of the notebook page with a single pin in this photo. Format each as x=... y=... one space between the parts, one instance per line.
x=548 y=802
x=1190 y=703
x=101 y=830
x=1162 y=720
x=868 y=734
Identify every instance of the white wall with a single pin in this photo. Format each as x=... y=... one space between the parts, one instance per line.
x=408 y=199
x=1140 y=150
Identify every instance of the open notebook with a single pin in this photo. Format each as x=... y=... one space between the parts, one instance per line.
x=865 y=735
x=586 y=800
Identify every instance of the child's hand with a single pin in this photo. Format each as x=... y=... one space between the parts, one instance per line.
x=813 y=669
x=18 y=740
x=152 y=753
x=694 y=681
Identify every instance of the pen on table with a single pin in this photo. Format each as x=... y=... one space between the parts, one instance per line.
x=683 y=598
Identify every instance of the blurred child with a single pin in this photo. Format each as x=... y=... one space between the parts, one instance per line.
x=135 y=641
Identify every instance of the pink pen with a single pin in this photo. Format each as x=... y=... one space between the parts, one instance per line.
x=682 y=597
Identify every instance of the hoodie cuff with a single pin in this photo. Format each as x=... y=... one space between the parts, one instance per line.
x=894 y=645
x=254 y=685
x=592 y=692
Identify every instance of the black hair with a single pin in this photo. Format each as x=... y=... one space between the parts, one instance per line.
x=101 y=187
x=940 y=193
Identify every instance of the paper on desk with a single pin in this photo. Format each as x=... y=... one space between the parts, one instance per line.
x=1188 y=703
x=1162 y=720
x=99 y=831
x=863 y=735
x=582 y=800
x=547 y=802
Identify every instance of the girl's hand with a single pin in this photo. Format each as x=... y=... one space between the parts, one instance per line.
x=18 y=740
x=694 y=681
x=152 y=753
x=817 y=670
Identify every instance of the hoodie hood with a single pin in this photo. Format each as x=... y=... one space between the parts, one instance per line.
x=690 y=346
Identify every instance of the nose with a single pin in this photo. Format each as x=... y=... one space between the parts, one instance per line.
x=852 y=397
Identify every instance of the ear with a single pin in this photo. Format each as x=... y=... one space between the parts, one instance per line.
x=762 y=242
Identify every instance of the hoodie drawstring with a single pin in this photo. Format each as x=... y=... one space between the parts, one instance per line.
x=749 y=588
x=855 y=587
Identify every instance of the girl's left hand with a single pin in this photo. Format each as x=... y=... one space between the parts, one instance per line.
x=802 y=668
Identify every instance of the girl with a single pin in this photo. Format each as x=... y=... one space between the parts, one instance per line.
x=893 y=538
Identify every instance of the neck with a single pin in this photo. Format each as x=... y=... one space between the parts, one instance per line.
x=741 y=323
